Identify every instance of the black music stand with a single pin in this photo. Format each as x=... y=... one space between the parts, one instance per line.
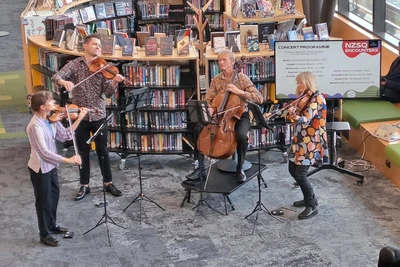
x=261 y=122
x=198 y=113
x=105 y=218
x=137 y=99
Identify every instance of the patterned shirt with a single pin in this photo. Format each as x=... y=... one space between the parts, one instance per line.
x=89 y=94
x=42 y=136
x=219 y=84
x=310 y=141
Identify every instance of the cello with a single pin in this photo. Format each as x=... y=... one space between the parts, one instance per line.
x=218 y=140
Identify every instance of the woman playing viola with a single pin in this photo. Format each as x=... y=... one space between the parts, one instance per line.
x=309 y=142
x=44 y=160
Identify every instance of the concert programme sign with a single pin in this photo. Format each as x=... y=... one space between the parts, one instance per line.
x=343 y=68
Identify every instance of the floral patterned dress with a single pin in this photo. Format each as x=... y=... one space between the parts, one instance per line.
x=310 y=141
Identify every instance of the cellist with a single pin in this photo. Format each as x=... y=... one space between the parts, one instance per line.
x=245 y=89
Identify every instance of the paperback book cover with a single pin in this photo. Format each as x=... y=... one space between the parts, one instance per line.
x=322 y=31
x=263 y=30
x=100 y=11
x=110 y=12
x=182 y=45
x=249 y=9
x=141 y=38
x=233 y=38
x=166 y=46
x=107 y=44
x=308 y=33
x=266 y=8
x=247 y=30
x=252 y=44
x=70 y=37
x=288 y=7
x=151 y=46
x=235 y=7
x=58 y=37
x=292 y=35
x=129 y=47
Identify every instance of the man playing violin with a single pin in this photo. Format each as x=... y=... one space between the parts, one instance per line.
x=245 y=89
x=90 y=94
x=309 y=143
x=43 y=163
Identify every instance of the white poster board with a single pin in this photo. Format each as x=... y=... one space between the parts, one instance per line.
x=343 y=68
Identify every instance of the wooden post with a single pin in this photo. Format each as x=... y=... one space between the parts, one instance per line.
x=200 y=45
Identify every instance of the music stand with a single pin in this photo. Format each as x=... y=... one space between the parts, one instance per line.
x=137 y=99
x=105 y=218
x=261 y=122
x=198 y=113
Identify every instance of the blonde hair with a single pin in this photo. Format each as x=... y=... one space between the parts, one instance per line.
x=227 y=52
x=308 y=79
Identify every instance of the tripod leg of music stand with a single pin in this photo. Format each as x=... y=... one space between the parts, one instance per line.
x=230 y=202
x=150 y=200
x=133 y=201
x=113 y=222
x=97 y=225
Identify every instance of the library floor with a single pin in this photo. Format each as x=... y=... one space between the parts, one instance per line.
x=353 y=224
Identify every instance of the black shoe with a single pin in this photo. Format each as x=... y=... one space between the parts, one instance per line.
x=301 y=203
x=241 y=176
x=195 y=175
x=113 y=190
x=308 y=213
x=195 y=182
x=50 y=241
x=59 y=230
x=83 y=190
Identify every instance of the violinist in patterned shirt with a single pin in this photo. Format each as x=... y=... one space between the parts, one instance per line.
x=309 y=142
x=90 y=94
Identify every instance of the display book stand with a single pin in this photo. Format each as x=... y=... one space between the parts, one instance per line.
x=134 y=101
x=333 y=127
x=105 y=219
x=261 y=123
x=198 y=113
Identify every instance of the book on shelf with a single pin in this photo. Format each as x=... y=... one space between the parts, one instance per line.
x=81 y=30
x=141 y=38
x=247 y=30
x=70 y=37
x=264 y=29
x=107 y=44
x=121 y=36
x=282 y=29
x=91 y=15
x=79 y=43
x=322 y=31
x=128 y=49
x=249 y=8
x=308 y=33
x=110 y=12
x=182 y=46
x=103 y=31
x=100 y=11
x=123 y=8
x=288 y=7
x=58 y=37
x=252 y=44
x=166 y=46
x=292 y=35
x=151 y=46
x=233 y=38
x=158 y=35
x=235 y=7
x=266 y=8
x=182 y=32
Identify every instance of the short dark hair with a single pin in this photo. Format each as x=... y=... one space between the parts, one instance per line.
x=40 y=98
x=90 y=37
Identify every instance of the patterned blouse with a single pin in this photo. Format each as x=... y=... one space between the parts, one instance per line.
x=219 y=84
x=89 y=94
x=310 y=140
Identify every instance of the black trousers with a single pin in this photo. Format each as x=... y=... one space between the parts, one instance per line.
x=390 y=94
x=47 y=194
x=242 y=127
x=299 y=173
x=82 y=134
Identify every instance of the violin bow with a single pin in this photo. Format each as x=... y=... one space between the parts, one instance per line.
x=72 y=132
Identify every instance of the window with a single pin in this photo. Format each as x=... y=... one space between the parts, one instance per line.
x=382 y=17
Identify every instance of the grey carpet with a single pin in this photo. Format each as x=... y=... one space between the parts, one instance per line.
x=353 y=223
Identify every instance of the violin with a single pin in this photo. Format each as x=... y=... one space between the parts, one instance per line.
x=109 y=72
x=59 y=113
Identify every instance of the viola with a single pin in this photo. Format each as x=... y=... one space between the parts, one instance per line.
x=109 y=72
x=59 y=113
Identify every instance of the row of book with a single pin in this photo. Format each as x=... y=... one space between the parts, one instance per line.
x=265 y=90
x=150 y=10
x=260 y=69
x=140 y=74
x=261 y=8
x=53 y=61
x=154 y=142
x=167 y=28
x=101 y=11
x=168 y=98
x=279 y=134
x=152 y=120
x=214 y=6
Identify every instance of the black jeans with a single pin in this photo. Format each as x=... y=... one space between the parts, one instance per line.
x=299 y=173
x=242 y=126
x=47 y=193
x=82 y=134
